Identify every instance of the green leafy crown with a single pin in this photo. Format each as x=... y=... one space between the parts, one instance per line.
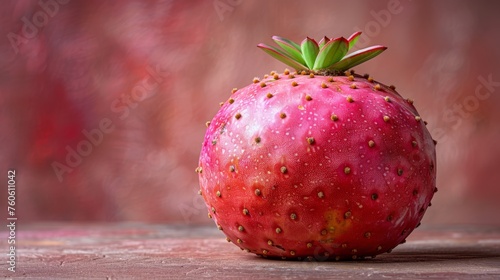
x=327 y=56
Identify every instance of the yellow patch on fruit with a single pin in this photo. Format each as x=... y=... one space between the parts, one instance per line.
x=337 y=223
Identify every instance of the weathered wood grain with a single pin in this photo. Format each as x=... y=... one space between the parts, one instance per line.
x=116 y=251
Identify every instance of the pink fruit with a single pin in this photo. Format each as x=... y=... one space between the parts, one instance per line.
x=322 y=163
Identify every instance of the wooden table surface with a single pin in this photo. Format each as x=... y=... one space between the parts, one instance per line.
x=117 y=251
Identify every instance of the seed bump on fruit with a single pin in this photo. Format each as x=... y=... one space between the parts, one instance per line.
x=218 y=194
x=237 y=116
x=209 y=216
x=371 y=143
x=303 y=72
x=323 y=85
x=291 y=76
x=282 y=115
x=199 y=169
x=353 y=86
x=257 y=192
x=245 y=211
x=418 y=118
x=293 y=216
x=308 y=97
x=409 y=100
x=207 y=124
x=387 y=99
x=234 y=90
x=221 y=103
x=331 y=80
x=434 y=141
x=386 y=118
x=257 y=139
x=379 y=248
x=283 y=169
x=347 y=170
x=294 y=84
x=311 y=75
x=231 y=101
x=334 y=117
x=199 y=192
x=400 y=171
x=323 y=232
x=286 y=71
x=266 y=76
x=354 y=257
x=264 y=252
x=368 y=234
x=239 y=240
x=309 y=245
x=435 y=190
x=213 y=210
x=292 y=253
x=370 y=79
x=269 y=95
x=347 y=214
x=349 y=99
x=278 y=230
x=344 y=245
x=276 y=76
x=214 y=142
x=374 y=196
x=310 y=140
x=219 y=227
x=350 y=78
x=255 y=80
x=262 y=84
x=414 y=143
x=366 y=76
x=377 y=87
x=321 y=194
x=241 y=228
x=232 y=168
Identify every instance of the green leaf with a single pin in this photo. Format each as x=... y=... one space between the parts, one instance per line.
x=323 y=41
x=353 y=39
x=290 y=48
x=332 y=52
x=281 y=56
x=288 y=42
x=357 y=57
x=310 y=50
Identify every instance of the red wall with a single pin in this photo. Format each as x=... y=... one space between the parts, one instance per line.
x=142 y=79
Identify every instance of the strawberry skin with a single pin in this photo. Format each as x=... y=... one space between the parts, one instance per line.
x=329 y=167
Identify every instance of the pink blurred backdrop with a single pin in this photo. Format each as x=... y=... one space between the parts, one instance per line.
x=82 y=63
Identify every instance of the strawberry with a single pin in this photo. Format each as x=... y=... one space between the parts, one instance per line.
x=320 y=163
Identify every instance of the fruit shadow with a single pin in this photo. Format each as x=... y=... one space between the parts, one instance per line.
x=441 y=255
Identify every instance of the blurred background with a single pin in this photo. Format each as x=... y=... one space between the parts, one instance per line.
x=103 y=103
